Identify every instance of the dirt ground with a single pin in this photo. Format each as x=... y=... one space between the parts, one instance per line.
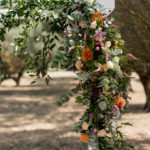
x=30 y=120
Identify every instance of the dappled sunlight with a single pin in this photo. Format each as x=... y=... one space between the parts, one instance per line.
x=30 y=119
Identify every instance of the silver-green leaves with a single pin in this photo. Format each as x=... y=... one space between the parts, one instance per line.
x=102 y=105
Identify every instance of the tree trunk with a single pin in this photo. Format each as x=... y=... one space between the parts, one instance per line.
x=133 y=17
x=17 y=79
x=146 y=83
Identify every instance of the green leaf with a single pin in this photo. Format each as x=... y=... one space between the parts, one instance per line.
x=78 y=99
x=116 y=52
x=63 y=62
x=102 y=105
x=10 y=3
x=33 y=82
x=70 y=18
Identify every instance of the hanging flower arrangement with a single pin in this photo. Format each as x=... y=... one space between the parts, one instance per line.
x=95 y=51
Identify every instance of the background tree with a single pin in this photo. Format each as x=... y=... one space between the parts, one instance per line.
x=133 y=17
x=14 y=66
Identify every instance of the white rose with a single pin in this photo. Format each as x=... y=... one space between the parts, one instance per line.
x=108 y=44
x=116 y=59
x=94 y=24
x=110 y=65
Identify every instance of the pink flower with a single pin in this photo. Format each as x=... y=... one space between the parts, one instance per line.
x=85 y=35
x=68 y=31
x=97 y=48
x=131 y=56
x=102 y=44
x=94 y=130
x=126 y=75
x=98 y=69
x=116 y=27
x=71 y=48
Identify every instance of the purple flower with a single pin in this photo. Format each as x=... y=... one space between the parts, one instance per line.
x=99 y=36
x=91 y=117
x=94 y=130
x=131 y=56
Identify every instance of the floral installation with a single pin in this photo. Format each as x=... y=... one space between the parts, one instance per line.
x=95 y=50
x=92 y=47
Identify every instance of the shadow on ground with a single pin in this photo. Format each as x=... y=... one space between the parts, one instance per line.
x=136 y=108
x=39 y=140
x=30 y=120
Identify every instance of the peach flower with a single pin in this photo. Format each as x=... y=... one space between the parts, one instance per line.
x=101 y=133
x=85 y=126
x=105 y=67
x=94 y=25
x=82 y=24
x=121 y=43
x=79 y=65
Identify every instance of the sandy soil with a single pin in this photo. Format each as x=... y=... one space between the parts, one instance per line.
x=30 y=120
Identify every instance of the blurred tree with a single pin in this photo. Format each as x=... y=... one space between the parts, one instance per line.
x=133 y=17
x=14 y=66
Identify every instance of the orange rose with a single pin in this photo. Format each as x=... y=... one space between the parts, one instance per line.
x=97 y=16
x=120 y=101
x=84 y=137
x=87 y=54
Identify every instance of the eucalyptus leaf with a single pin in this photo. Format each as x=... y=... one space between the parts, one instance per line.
x=116 y=52
x=70 y=17
x=102 y=105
